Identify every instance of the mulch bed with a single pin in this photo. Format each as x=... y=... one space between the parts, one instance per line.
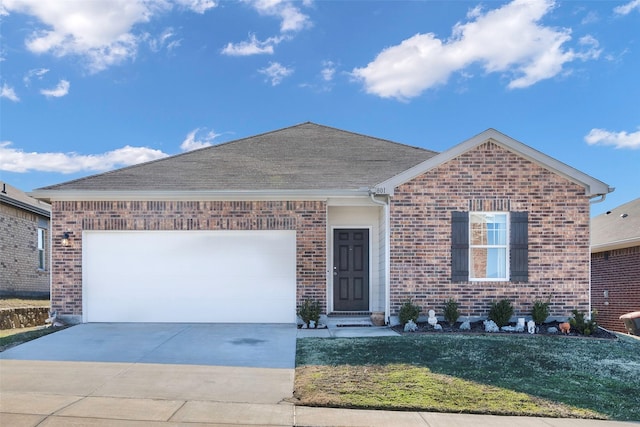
x=477 y=328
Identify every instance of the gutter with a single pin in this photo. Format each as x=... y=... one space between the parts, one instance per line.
x=200 y=195
x=617 y=244
x=25 y=206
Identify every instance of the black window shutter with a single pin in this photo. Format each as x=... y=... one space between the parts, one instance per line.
x=519 y=246
x=459 y=246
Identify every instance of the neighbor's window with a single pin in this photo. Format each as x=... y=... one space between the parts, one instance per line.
x=488 y=246
x=41 y=254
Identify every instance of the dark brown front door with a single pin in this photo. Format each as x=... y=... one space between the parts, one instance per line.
x=351 y=269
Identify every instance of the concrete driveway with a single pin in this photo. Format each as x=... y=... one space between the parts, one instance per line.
x=220 y=344
x=125 y=374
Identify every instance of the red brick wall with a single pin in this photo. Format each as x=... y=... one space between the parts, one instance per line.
x=308 y=218
x=617 y=272
x=490 y=178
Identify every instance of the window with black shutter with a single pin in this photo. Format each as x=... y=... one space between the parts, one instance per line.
x=481 y=250
x=459 y=246
x=519 y=247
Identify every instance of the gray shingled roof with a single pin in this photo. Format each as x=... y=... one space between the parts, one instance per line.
x=19 y=199
x=302 y=157
x=617 y=228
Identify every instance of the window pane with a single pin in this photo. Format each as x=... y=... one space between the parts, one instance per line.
x=497 y=230
x=488 y=263
x=478 y=229
x=488 y=229
x=41 y=248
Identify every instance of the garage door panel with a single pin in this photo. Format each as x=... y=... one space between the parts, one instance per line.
x=213 y=276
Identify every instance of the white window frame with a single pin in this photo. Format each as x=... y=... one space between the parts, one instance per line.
x=504 y=246
x=42 y=261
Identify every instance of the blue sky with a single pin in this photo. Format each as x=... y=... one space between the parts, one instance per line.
x=89 y=86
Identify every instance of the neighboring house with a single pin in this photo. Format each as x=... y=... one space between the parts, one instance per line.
x=245 y=231
x=24 y=244
x=615 y=264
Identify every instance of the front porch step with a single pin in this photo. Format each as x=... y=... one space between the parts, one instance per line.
x=349 y=314
x=351 y=319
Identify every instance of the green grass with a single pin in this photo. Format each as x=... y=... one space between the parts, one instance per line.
x=23 y=302
x=12 y=337
x=544 y=376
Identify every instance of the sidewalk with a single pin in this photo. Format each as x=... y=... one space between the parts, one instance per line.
x=49 y=393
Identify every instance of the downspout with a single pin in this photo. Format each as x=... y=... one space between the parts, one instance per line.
x=387 y=254
x=601 y=199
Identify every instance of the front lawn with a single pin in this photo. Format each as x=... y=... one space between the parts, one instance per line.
x=13 y=337
x=501 y=374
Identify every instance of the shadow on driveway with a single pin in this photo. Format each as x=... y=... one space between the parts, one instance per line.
x=221 y=344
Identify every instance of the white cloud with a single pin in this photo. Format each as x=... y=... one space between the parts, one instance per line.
x=292 y=19
x=15 y=160
x=192 y=143
x=508 y=40
x=100 y=31
x=627 y=8
x=36 y=72
x=328 y=71
x=276 y=72
x=253 y=46
x=157 y=43
x=590 y=18
x=616 y=139
x=198 y=6
x=8 y=92
x=62 y=89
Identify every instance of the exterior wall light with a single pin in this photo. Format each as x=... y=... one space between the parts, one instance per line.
x=65 y=239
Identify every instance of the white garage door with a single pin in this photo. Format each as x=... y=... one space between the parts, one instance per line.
x=189 y=276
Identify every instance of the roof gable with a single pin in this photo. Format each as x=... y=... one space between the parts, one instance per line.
x=593 y=187
x=302 y=157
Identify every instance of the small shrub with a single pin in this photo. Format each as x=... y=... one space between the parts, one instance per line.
x=540 y=311
x=451 y=312
x=580 y=323
x=409 y=311
x=501 y=312
x=308 y=311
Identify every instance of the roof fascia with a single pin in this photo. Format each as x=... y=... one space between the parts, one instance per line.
x=620 y=244
x=593 y=187
x=204 y=195
x=25 y=206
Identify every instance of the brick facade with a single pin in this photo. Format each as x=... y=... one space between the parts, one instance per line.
x=618 y=273
x=308 y=218
x=490 y=178
x=20 y=274
x=486 y=178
